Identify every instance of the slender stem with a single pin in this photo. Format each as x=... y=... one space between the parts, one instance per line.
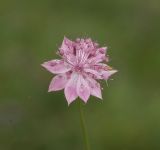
x=84 y=129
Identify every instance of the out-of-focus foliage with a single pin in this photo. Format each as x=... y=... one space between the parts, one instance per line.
x=129 y=116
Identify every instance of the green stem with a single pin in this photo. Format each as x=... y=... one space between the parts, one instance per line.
x=84 y=129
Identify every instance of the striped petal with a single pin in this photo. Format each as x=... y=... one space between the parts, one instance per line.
x=94 y=88
x=70 y=88
x=83 y=89
x=56 y=66
x=58 y=83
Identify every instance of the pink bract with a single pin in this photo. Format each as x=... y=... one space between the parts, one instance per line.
x=81 y=66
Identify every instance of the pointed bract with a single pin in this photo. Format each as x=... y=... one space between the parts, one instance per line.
x=95 y=88
x=70 y=89
x=58 y=83
x=66 y=46
x=107 y=74
x=56 y=66
x=83 y=89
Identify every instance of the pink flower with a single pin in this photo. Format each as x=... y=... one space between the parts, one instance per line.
x=80 y=67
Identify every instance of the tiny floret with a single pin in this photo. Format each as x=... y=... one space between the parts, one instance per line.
x=82 y=65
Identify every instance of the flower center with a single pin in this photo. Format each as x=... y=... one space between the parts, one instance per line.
x=78 y=68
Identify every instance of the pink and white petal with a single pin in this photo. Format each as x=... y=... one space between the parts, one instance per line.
x=83 y=89
x=70 y=58
x=58 y=83
x=95 y=88
x=70 y=88
x=67 y=45
x=102 y=50
x=56 y=66
x=97 y=59
x=94 y=72
x=101 y=65
x=107 y=74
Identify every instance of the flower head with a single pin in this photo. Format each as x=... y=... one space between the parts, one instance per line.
x=81 y=66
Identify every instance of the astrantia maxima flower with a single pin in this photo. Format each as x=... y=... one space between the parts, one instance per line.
x=81 y=66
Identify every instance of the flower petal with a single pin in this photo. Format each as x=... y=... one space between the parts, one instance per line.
x=96 y=59
x=67 y=45
x=94 y=72
x=94 y=88
x=107 y=74
x=83 y=89
x=70 y=88
x=56 y=66
x=102 y=50
x=58 y=83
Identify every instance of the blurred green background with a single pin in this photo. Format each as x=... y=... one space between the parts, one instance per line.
x=30 y=33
